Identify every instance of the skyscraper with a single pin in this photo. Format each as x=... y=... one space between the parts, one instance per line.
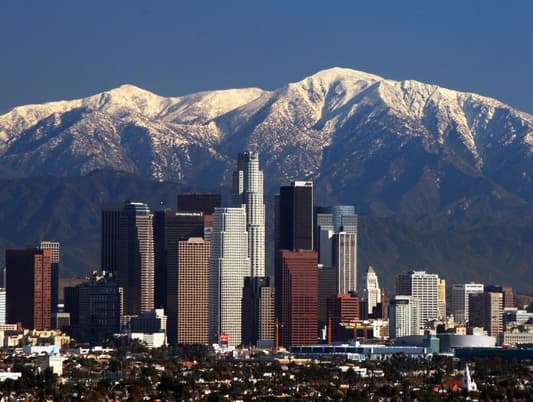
x=460 y=300
x=136 y=258
x=28 y=287
x=297 y=296
x=425 y=288
x=336 y=243
x=343 y=308
x=404 y=316
x=55 y=257
x=169 y=228
x=3 y=306
x=228 y=265
x=109 y=237
x=295 y=218
x=257 y=310
x=189 y=307
x=442 y=299
x=248 y=192
x=371 y=293
x=486 y=310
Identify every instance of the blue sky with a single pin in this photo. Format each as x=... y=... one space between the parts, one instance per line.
x=68 y=49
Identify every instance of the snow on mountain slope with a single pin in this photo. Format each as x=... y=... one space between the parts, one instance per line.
x=340 y=127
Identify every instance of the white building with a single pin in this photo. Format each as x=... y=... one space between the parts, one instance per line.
x=2 y=306
x=371 y=291
x=460 y=296
x=425 y=288
x=248 y=193
x=336 y=239
x=228 y=265
x=404 y=316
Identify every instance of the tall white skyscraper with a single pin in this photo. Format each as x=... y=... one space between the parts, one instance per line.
x=404 y=316
x=336 y=242
x=248 y=192
x=3 y=307
x=425 y=288
x=460 y=299
x=371 y=291
x=228 y=265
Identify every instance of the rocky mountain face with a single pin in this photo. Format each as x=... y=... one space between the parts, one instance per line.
x=423 y=158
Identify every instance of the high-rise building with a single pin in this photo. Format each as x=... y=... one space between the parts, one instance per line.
x=257 y=310
x=342 y=309
x=404 y=316
x=506 y=291
x=486 y=310
x=169 y=228
x=3 y=306
x=188 y=310
x=136 y=258
x=371 y=293
x=267 y=316
x=442 y=299
x=248 y=193
x=109 y=237
x=28 y=287
x=94 y=308
x=295 y=218
x=327 y=287
x=425 y=288
x=228 y=265
x=55 y=258
x=297 y=296
x=197 y=202
x=460 y=300
x=336 y=243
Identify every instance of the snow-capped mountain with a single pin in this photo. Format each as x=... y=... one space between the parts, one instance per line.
x=389 y=145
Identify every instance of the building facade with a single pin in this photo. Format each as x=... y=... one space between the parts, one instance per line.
x=336 y=243
x=189 y=307
x=295 y=216
x=371 y=292
x=29 y=287
x=460 y=300
x=248 y=193
x=404 y=316
x=198 y=202
x=297 y=296
x=229 y=264
x=55 y=259
x=425 y=288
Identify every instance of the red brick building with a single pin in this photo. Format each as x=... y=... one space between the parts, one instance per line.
x=297 y=296
x=29 y=287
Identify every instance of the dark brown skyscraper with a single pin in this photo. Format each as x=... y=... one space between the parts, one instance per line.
x=297 y=296
x=205 y=203
x=28 y=277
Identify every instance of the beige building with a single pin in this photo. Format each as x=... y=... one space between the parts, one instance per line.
x=441 y=295
x=192 y=296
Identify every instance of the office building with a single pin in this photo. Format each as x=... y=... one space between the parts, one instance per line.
x=371 y=292
x=257 y=310
x=327 y=287
x=506 y=291
x=197 y=202
x=425 y=288
x=442 y=300
x=149 y=322
x=3 y=306
x=136 y=258
x=343 y=311
x=267 y=316
x=248 y=193
x=94 y=308
x=460 y=300
x=336 y=243
x=55 y=258
x=188 y=310
x=28 y=287
x=404 y=316
x=169 y=228
x=486 y=310
x=229 y=264
x=297 y=296
x=295 y=218
x=109 y=237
